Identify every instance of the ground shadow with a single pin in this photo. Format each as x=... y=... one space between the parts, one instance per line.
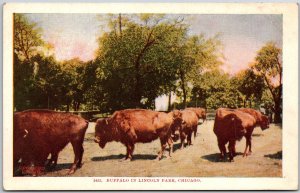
x=90 y=140
x=215 y=157
x=110 y=157
x=277 y=155
x=60 y=167
x=178 y=145
x=121 y=156
x=257 y=135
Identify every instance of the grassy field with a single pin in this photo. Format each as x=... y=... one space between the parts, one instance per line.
x=198 y=160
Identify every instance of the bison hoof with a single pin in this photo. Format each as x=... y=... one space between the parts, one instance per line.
x=71 y=171
x=79 y=165
x=159 y=158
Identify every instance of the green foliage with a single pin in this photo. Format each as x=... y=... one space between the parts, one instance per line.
x=140 y=57
x=250 y=86
x=269 y=66
x=27 y=37
x=214 y=89
x=139 y=65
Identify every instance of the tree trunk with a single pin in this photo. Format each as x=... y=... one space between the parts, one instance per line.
x=183 y=87
x=277 y=112
x=137 y=94
x=120 y=24
x=68 y=107
x=77 y=106
x=74 y=105
x=48 y=103
x=169 y=101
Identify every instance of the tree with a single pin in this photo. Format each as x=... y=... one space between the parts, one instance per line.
x=250 y=85
x=269 y=66
x=27 y=41
x=196 y=55
x=138 y=65
x=214 y=89
x=27 y=37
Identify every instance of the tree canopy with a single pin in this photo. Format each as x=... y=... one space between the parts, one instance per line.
x=139 y=58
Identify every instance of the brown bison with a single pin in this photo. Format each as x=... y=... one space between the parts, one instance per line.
x=188 y=126
x=260 y=119
x=201 y=114
x=38 y=133
x=138 y=125
x=231 y=125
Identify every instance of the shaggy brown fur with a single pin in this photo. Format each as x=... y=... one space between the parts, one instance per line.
x=38 y=133
x=132 y=126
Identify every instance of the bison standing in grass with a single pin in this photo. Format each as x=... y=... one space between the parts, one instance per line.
x=38 y=133
x=138 y=125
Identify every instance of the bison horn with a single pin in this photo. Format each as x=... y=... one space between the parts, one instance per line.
x=106 y=121
x=26 y=133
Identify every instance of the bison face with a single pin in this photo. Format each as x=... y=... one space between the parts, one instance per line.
x=100 y=134
x=175 y=128
x=264 y=123
x=175 y=135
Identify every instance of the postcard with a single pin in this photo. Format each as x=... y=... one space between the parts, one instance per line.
x=150 y=96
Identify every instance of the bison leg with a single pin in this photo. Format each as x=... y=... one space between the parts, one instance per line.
x=250 y=144
x=130 y=149
x=53 y=161
x=78 y=151
x=39 y=164
x=222 y=149
x=195 y=132
x=189 y=138
x=163 y=143
x=246 y=148
x=170 y=143
x=231 y=150
x=182 y=139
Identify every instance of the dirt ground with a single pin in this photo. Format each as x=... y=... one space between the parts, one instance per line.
x=198 y=160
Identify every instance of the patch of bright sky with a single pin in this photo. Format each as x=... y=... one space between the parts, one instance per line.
x=72 y=35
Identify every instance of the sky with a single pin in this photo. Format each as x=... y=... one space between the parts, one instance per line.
x=75 y=35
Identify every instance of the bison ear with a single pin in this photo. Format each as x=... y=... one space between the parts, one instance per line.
x=26 y=133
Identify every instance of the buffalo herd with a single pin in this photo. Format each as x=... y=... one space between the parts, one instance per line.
x=39 y=134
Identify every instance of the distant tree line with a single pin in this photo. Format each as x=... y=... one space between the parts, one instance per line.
x=141 y=57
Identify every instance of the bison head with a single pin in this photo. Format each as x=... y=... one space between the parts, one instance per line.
x=101 y=132
x=264 y=123
x=176 y=124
